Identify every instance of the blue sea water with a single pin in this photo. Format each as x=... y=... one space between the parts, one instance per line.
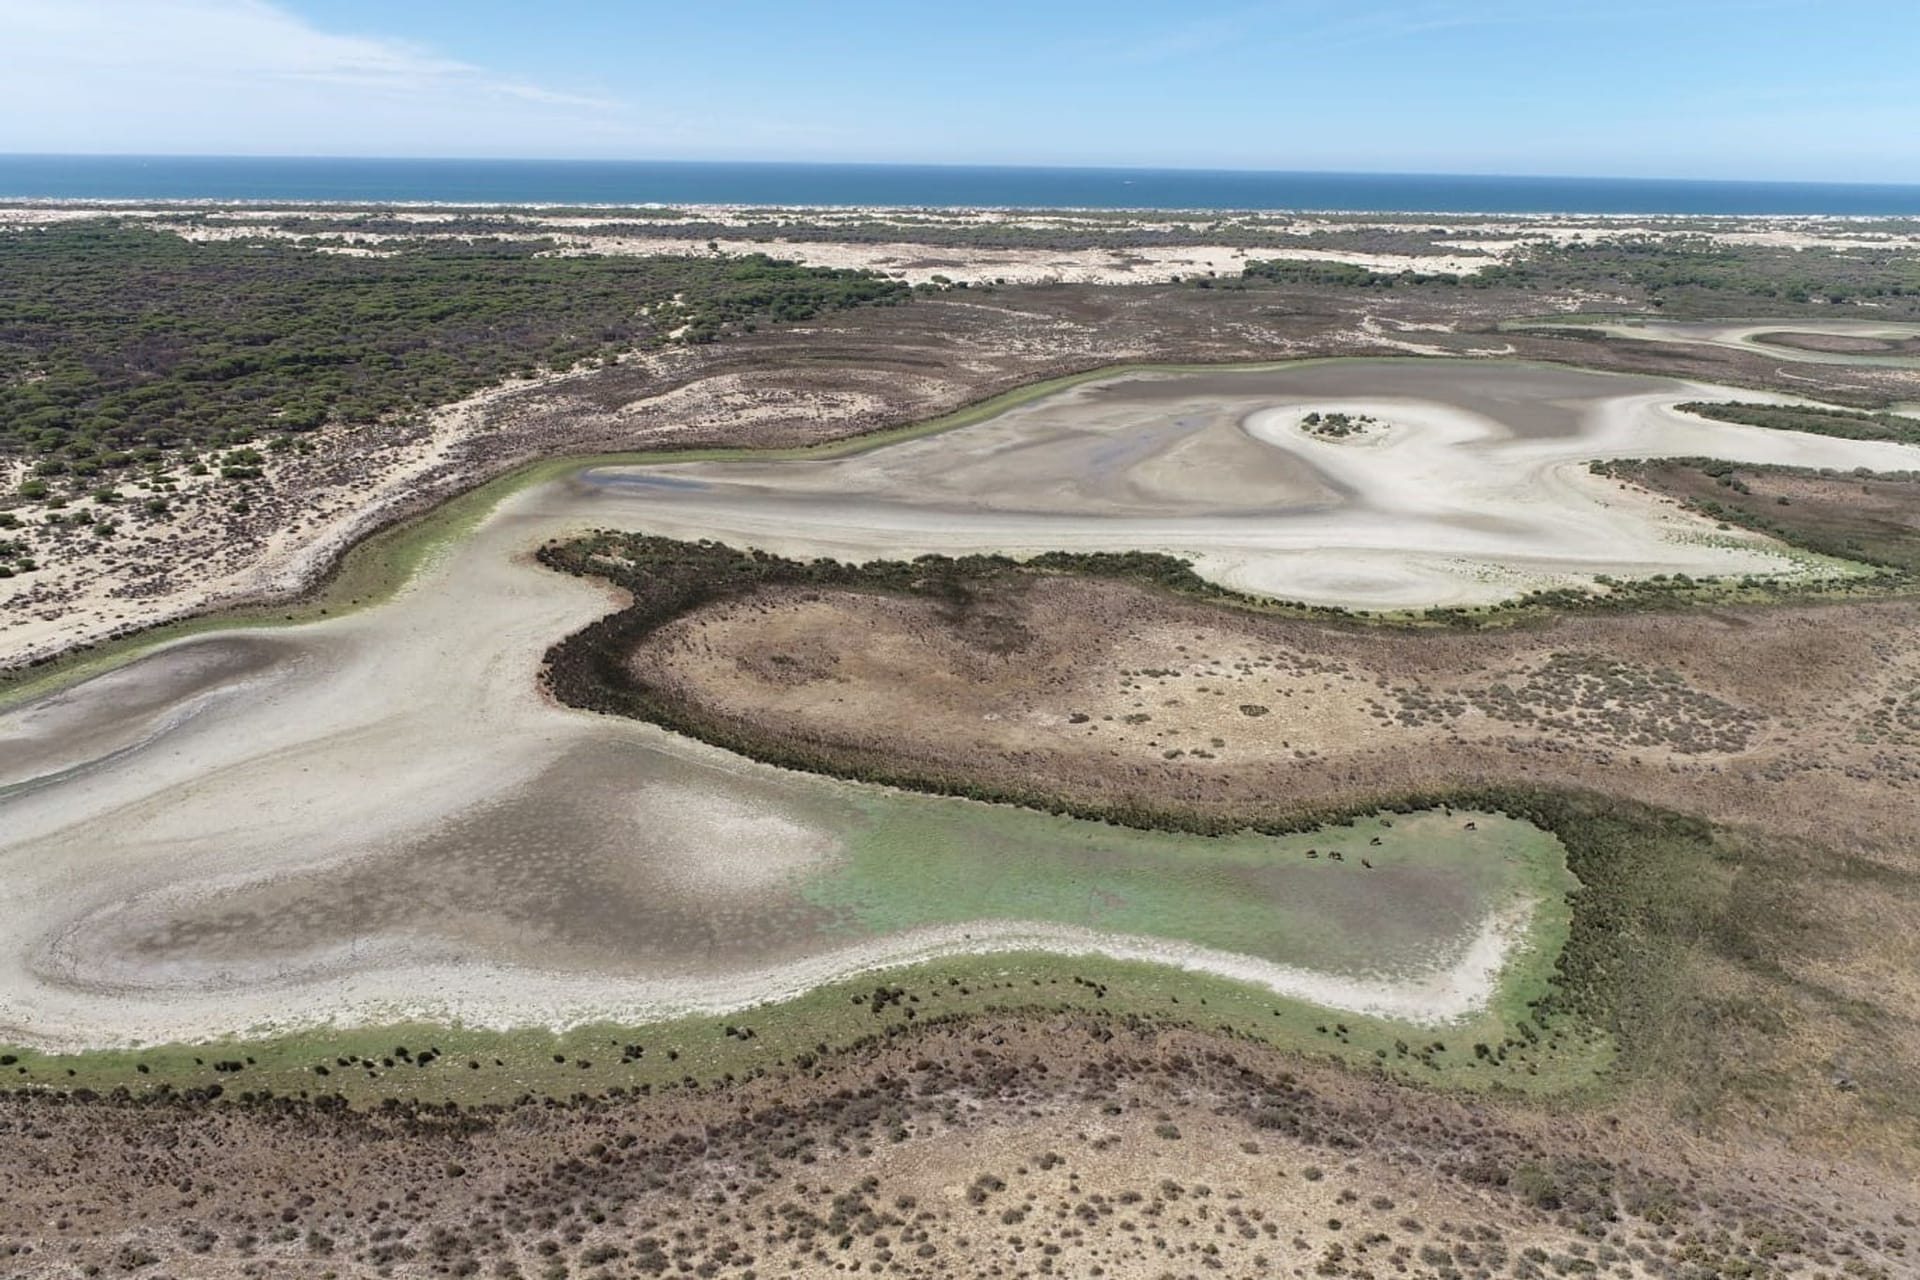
x=573 y=182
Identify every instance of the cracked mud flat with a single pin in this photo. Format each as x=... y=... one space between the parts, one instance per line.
x=326 y=822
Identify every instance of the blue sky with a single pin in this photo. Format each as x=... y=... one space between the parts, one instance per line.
x=1788 y=89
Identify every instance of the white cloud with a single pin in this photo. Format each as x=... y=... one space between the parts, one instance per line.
x=248 y=76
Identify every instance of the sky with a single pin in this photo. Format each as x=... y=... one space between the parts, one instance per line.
x=1760 y=89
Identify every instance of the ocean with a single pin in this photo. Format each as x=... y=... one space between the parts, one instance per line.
x=582 y=182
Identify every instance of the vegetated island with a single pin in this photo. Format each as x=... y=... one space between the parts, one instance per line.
x=1336 y=425
x=1849 y=424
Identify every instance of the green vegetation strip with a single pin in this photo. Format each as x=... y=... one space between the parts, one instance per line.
x=1666 y=907
x=1848 y=424
x=1678 y=276
x=470 y=1065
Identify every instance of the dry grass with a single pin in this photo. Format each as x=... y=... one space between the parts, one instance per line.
x=1022 y=1146
x=1097 y=689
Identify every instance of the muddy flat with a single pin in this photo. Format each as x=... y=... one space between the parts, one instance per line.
x=1472 y=487
x=1842 y=343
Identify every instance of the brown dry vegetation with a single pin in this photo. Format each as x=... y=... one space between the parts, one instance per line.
x=1872 y=518
x=1791 y=719
x=1030 y=1146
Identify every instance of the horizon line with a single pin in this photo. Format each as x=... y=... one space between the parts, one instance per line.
x=997 y=166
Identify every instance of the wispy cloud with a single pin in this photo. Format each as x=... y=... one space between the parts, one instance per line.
x=1303 y=28
x=215 y=63
x=1178 y=39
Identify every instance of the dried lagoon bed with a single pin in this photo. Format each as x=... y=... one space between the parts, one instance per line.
x=1472 y=490
x=297 y=800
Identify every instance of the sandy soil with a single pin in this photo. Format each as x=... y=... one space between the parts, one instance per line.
x=200 y=555
x=920 y=263
x=1037 y=1146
